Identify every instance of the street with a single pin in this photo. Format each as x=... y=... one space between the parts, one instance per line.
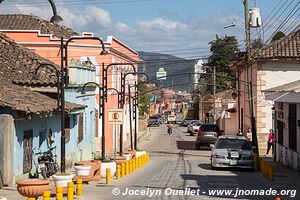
x=176 y=166
x=176 y=170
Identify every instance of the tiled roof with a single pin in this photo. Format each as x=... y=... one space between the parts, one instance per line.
x=25 y=100
x=31 y=22
x=286 y=47
x=18 y=64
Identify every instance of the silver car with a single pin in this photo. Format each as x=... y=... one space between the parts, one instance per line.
x=232 y=151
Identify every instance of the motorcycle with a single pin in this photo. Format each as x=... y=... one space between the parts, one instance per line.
x=45 y=163
x=169 y=130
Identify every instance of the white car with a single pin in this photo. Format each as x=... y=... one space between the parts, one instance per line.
x=232 y=151
x=193 y=127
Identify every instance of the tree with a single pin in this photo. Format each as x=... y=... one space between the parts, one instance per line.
x=257 y=43
x=277 y=36
x=223 y=55
x=144 y=100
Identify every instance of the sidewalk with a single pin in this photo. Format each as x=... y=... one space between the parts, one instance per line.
x=284 y=177
x=11 y=193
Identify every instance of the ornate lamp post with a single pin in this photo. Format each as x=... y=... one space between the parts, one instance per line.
x=121 y=102
x=64 y=60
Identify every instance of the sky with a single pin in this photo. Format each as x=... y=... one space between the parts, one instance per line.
x=179 y=27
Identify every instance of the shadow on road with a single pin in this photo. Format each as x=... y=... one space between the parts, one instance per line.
x=186 y=145
x=174 y=153
x=213 y=185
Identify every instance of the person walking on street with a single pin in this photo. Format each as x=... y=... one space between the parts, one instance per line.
x=270 y=141
x=249 y=136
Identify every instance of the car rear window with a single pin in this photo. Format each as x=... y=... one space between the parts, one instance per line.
x=210 y=128
x=233 y=144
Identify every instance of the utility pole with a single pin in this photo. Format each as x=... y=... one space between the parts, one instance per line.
x=215 y=95
x=249 y=75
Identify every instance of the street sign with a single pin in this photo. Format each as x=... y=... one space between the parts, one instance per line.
x=115 y=116
x=161 y=74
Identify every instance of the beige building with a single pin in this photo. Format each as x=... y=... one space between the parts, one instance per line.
x=274 y=64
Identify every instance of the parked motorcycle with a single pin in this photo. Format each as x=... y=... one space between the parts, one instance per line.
x=45 y=163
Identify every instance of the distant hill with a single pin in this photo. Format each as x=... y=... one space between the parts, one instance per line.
x=172 y=65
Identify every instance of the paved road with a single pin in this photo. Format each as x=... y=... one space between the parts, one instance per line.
x=175 y=167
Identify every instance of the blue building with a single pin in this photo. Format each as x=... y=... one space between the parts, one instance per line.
x=29 y=118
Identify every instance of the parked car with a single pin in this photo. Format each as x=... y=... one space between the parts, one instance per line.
x=153 y=121
x=186 y=122
x=160 y=118
x=193 y=127
x=207 y=134
x=232 y=151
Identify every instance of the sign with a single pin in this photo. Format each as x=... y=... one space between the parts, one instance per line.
x=115 y=116
x=161 y=74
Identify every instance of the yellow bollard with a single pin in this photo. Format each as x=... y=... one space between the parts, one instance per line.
x=31 y=198
x=123 y=169
x=271 y=173
x=130 y=167
x=126 y=168
x=133 y=165
x=108 y=175
x=140 y=161
x=147 y=157
x=59 y=193
x=79 y=188
x=46 y=195
x=119 y=171
x=70 y=191
x=144 y=159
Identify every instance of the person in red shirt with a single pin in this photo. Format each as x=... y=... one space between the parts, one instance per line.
x=270 y=140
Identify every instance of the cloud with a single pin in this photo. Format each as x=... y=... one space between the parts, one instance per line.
x=150 y=35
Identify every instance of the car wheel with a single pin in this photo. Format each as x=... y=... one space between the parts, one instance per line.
x=191 y=134
x=198 y=146
x=211 y=165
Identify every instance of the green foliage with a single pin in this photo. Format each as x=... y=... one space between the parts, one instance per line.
x=144 y=100
x=223 y=55
x=277 y=36
x=257 y=43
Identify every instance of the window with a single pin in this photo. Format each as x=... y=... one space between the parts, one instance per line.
x=67 y=128
x=80 y=128
x=27 y=151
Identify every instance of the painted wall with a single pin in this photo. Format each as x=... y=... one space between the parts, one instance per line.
x=48 y=47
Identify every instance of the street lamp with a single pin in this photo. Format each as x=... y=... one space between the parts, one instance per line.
x=60 y=104
x=121 y=103
x=55 y=18
x=64 y=78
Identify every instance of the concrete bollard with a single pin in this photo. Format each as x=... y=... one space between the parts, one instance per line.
x=79 y=188
x=123 y=169
x=46 y=195
x=108 y=176
x=118 y=172
x=70 y=191
x=59 y=193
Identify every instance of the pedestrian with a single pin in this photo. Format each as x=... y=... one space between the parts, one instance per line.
x=249 y=136
x=270 y=142
x=239 y=133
